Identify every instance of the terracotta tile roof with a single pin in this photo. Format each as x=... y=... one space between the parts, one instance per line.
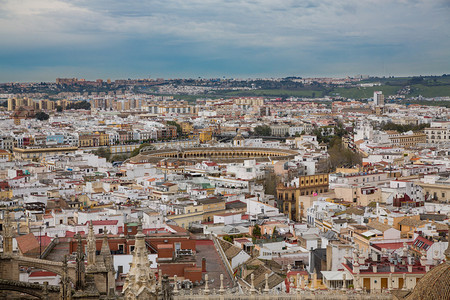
x=411 y=222
x=229 y=249
x=103 y=222
x=27 y=243
x=378 y=225
x=43 y=274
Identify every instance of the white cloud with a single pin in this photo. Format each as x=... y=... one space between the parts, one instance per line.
x=265 y=23
x=294 y=28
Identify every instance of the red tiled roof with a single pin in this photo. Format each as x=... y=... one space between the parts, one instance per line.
x=103 y=222
x=391 y=246
x=27 y=243
x=44 y=240
x=178 y=229
x=72 y=234
x=425 y=242
x=42 y=274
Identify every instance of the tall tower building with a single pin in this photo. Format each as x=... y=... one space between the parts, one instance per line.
x=378 y=98
x=12 y=102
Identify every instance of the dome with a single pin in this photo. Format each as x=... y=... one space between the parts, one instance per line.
x=433 y=285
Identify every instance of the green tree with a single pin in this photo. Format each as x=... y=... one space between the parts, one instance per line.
x=79 y=105
x=228 y=238
x=138 y=150
x=262 y=130
x=341 y=156
x=256 y=232
x=178 y=126
x=42 y=116
x=103 y=152
x=274 y=233
x=339 y=130
x=119 y=157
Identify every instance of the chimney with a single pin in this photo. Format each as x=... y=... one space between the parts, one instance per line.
x=203 y=264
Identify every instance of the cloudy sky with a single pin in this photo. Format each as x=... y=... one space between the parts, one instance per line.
x=44 y=39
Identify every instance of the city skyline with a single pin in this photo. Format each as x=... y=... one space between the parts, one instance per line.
x=42 y=40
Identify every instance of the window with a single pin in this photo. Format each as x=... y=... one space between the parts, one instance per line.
x=100 y=230
x=131 y=248
x=120 y=248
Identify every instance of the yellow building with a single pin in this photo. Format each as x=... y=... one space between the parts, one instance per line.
x=6 y=194
x=14 y=103
x=103 y=138
x=46 y=104
x=91 y=139
x=186 y=127
x=63 y=103
x=359 y=195
x=5 y=155
x=409 y=225
x=407 y=140
x=192 y=214
x=438 y=190
x=205 y=135
x=308 y=185
x=41 y=153
x=211 y=207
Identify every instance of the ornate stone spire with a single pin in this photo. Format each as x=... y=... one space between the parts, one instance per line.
x=7 y=234
x=140 y=282
x=91 y=245
x=80 y=270
x=108 y=263
x=105 y=251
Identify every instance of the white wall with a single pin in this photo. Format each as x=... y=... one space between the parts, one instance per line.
x=124 y=260
x=240 y=258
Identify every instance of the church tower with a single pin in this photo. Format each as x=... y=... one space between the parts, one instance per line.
x=238 y=140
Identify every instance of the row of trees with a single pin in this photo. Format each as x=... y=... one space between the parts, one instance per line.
x=262 y=130
x=341 y=156
x=79 y=105
x=403 y=128
x=106 y=153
